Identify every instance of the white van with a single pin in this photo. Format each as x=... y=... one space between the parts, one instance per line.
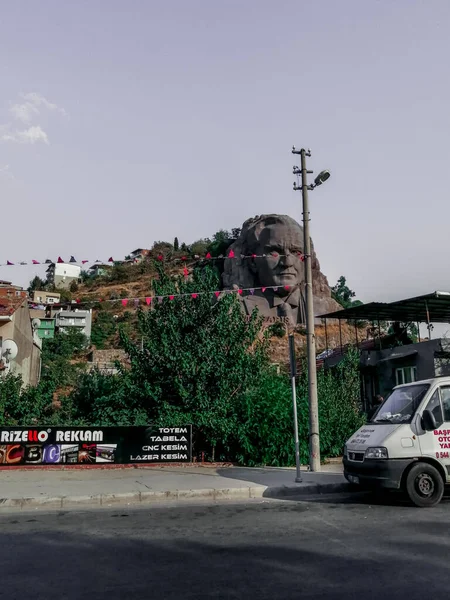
x=406 y=444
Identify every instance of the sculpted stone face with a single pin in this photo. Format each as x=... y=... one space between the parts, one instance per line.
x=282 y=265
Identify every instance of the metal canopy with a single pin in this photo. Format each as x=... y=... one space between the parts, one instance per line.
x=430 y=308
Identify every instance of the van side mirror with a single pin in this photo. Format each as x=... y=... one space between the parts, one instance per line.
x=429 y=421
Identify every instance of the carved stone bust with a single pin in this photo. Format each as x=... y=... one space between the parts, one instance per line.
x=268 y=254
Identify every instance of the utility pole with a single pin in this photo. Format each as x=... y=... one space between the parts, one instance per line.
x=314 y=438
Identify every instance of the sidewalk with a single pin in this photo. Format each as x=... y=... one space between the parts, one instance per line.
x=63 y=489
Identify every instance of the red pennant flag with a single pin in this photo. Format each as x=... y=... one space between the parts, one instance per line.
x=231 y=254
x=185 y=272
x=263 y=290
x=60 y=260
x=240 y=292
x=9 y=263
x=253 y=255
x=171 y=297
x=148 y=300
x=124 y=301
x=194 y=295
x=110 y=259
x=208 y=255
x=160 y=257
x=84 y=262
x=78 y=301
x=183 y=258
x=35 y=262
x=287 y=287
x=217 y=294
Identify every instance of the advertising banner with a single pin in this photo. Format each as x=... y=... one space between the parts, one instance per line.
x=94 y=445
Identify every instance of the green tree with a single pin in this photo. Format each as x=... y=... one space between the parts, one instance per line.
x=176 y=244
x=221 y=241
x=104 y=329
x=36 y=284
x=342 y=293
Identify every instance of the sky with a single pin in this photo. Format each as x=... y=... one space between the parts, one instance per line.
x=123 y=123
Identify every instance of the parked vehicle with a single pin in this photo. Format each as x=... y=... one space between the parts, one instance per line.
x=406 y=444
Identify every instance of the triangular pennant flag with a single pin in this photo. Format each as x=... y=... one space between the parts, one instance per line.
x=275 y=289
x=160 y=299
x=72 y=259
x=185 y=272
x=239 y=292
x=302 y=258
x=252 y=291
x=9 y=263
x=253 y=255
x=287 y=287
x=208 y=255
x=231 y=254
x=84 y=262
x=274 y=254
x=124 y=301
x=60 y=260
x=217 y=294
x=183 y=258
x=48 y=262
x=110 y=259
x=78 y=301
x=171 y=297
x=194 y=295
x=136 y=302
x=148 y=300
x=36 y=262
x=160 y=257
x=263 y=289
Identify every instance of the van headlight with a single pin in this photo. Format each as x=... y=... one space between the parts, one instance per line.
x=376 y=452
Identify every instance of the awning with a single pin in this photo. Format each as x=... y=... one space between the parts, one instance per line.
x=398 y=356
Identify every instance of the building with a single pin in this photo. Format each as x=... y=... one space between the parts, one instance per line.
x=16 y=325
x=394 y=359
x=40 y=297
x=61 y=275
x=99 y=269
x=138 y=255
x=66 y=317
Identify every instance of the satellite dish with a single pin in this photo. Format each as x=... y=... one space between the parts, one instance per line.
x=9 y=350
x=35 y=323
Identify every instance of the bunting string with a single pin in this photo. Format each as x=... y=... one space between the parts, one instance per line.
x=148 y=300
x=160 y=257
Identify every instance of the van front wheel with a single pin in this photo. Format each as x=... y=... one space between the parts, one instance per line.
x=424 y=485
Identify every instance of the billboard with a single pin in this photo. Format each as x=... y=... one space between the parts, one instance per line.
x=94 y=445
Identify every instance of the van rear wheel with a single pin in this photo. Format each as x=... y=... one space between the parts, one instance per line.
x=424 y=485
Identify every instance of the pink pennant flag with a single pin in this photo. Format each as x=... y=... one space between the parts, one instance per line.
x=275 y=254
x=60 y=260
x=185 y=272
x=160 y=257
x=171 y=297
x=217 y=294
x=9 y=263
x=208 y=255
x=78 y=301
x=36 y=262
x=231 y=254
x=183 y=258
x=194 y=295
x=253 y=255
x=263 y=289
x=124 y=301
x=239 y=292
x=83 y=262
x=287 y=287
x=148 y=300
x=302 y=258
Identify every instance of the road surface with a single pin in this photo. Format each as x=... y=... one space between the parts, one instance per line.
x=327 y=548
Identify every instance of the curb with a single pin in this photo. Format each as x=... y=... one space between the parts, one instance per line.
x=144 y=498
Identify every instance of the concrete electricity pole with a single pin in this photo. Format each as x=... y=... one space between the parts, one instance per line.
x=314 y=439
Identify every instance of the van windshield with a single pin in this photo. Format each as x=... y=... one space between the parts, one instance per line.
x=401 y=405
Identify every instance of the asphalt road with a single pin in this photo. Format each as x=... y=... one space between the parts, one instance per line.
x=329 y=549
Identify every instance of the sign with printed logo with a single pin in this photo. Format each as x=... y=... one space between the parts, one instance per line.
x=94 y=445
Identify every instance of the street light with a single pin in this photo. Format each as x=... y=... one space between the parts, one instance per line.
x=314 y=439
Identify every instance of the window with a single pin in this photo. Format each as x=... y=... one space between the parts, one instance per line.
x=405 y=375
x=434 y=406
x=445 y=397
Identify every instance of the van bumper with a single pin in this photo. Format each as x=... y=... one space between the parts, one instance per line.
x=385 y=474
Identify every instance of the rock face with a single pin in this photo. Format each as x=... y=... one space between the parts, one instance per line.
x=268 y=267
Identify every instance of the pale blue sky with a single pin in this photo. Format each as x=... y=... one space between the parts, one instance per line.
x=154 y=119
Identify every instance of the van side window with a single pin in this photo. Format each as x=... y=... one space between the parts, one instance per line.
x=445 y=396
x=434 y=405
